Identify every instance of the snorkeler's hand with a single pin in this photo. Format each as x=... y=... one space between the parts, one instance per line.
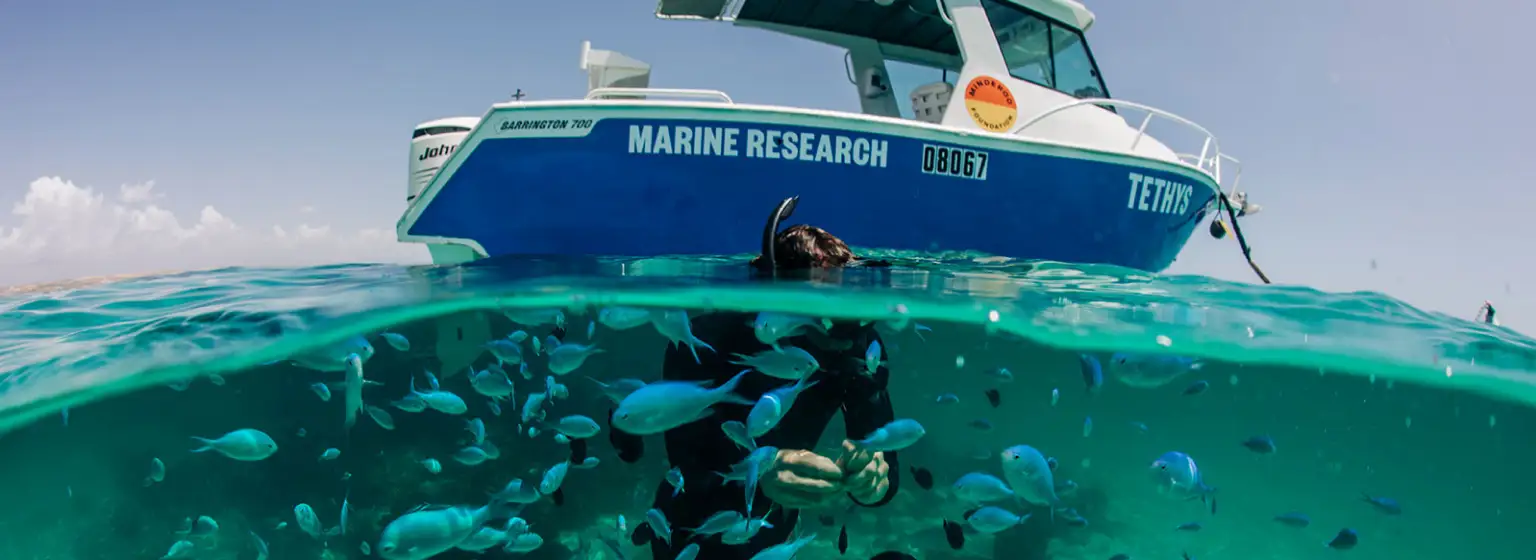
x=801 y=479
x=867 y=473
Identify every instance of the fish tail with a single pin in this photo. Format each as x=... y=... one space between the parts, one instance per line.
x=501 y=508
x=727 y=390
x=207 y=444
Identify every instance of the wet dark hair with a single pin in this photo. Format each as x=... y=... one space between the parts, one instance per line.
x=802 y=247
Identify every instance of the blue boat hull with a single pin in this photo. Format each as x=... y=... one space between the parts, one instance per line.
x=629 y=183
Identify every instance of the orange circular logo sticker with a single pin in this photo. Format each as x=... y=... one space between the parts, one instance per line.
x=991 y=104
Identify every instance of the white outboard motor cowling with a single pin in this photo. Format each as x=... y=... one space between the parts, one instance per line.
x=432 y=143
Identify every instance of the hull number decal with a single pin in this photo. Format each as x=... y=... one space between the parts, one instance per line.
x=955 y=162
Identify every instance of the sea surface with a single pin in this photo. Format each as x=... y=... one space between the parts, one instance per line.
x=1412 y=429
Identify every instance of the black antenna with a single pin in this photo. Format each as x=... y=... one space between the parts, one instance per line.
x=519 y=95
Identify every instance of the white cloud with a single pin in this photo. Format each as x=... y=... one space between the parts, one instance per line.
x=142 y=192
x=59 y=230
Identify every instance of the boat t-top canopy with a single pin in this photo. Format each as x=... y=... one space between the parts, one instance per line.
x=908 y=23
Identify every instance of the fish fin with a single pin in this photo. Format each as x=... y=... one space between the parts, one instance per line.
x=733 y=398
x=207 y=444
x=729 y=387
x=704 y=414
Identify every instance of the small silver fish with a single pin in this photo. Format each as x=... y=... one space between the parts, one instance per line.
x=432 y=465
x=380 y=417
x=156 y=471
x=308 y=522
x=577 y=427
x=410 y=403
x=476 y=428
x=354 y=389
x=980 y=488
x=505 y=351
x=675 y=478
x=658 y=522
x=675 y=325
x=565 y=358
x=993 y=519
x=771 y=327
x=260 y=544
x=786 y=362
x=623 y=318
x=773 y=405
x=322 y=391
x=554 y=477
x=872 y=358
x=895 y=436
x=737 y=432
x=664 y=405
x=471 y=455
x=536 y=317
x=426 y=533
x=396 y=341
x=180 y=549
x=241 y=445
x=999 y=374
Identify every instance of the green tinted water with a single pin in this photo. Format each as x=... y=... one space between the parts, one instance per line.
x=1363 y=394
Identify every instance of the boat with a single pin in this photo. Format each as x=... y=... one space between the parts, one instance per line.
x=1014 y=149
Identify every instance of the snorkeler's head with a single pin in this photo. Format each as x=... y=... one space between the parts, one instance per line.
x=802 y=247
x=803 y=250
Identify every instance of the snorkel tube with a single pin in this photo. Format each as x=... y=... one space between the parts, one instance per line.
x=783 y=211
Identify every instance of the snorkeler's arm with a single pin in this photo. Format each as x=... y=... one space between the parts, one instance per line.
x=867 y=408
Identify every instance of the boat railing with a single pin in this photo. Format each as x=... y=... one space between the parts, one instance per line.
x=611 y=92
x=1208 y=160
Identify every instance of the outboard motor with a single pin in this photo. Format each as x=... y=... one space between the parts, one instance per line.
x=431 y=145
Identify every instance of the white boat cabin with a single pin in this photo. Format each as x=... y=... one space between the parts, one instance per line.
x=1036 y=47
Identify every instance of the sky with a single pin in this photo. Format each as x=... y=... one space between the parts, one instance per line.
x=1381 y=137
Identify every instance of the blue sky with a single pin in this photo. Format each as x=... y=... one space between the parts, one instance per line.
x=276 y=133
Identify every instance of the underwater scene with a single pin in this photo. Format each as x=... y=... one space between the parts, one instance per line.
x=949 y=406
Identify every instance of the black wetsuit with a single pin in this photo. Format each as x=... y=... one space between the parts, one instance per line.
x=701 y=449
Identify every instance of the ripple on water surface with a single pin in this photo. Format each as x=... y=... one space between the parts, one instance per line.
x=985 y=353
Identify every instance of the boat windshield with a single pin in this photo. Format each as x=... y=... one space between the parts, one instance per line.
x=1040 y=50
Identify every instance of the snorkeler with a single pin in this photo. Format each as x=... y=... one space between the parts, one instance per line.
x=799 y=478
x=1486 y=314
